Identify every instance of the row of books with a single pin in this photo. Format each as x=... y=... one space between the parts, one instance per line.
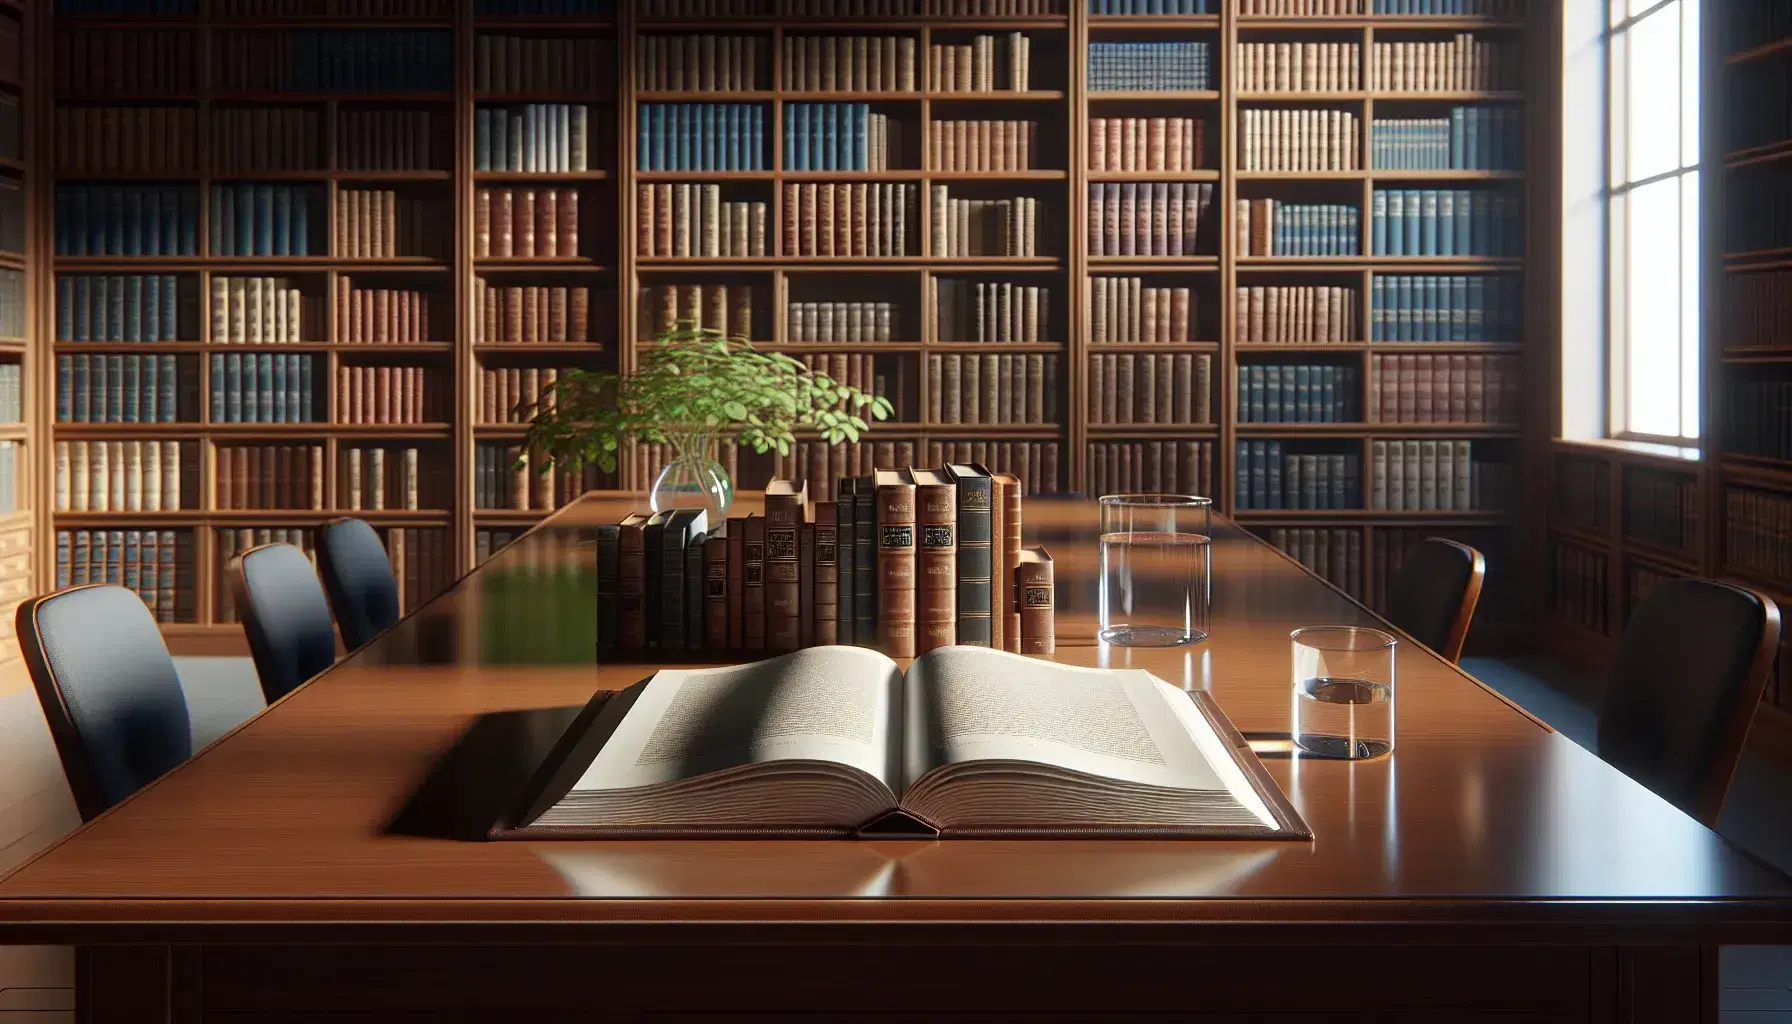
x=264 y=388
x=671 y=9
x=704 y=62
x=257 y=139
x=1445 y=222
x=533 y=138
x=892 y=377
x=841 y=322
x=249 y=477
x=127 y=476
x=1583 y=492
x=1469 y=139
x=1433 y=476
x=572 y=64
x=1443 y=388
x=985 y=227
x=379 y=316
x=511 y=477
x=848 y=63
x=717 y=307
x=537 y=314
x=157 y=565
x=1131 y=388
x=991 y=311
x=993 y=389
x=125 y=220
x=260 y=220
x=121 y=62
x=1298 y=67
x=1502 y=9
x=1295 y=314
x=1271 y=227
x=983 y=145
x=1661 y=508
x=1146 y=143
x=149 y=139
x=334 y=60
x=120 y=307
x=12 y=303
x=1137 y=7
x=390 y=394
x=1268 y=477
x=12 y=393
x=512 y=394
x=1756 y=308
x=1746 y=26
x=839 y=137
x=1464 y=63
x=1299 y=393
x=123 y=389
x=234 y=541
x=862 y=219
x=1758 y=209
x=1174 y=65
x=1756 y=420
x=1580 y=585
x=701 y=137
x=487 y=543
x=386 y=224
x=1336 y=554
x=693 y=221
x=127 y=6
x=1446 y=307
x=985 y=64
x=261 y=311
x=1152 y=467
x=1298 y=140
x=1162 y=218
x=252 y=9
x=525 y=223
x=1124 y=310
x=423 y=560
x=379 y=479
x=1035 y=463
x=264 y=139
x=1758 y=533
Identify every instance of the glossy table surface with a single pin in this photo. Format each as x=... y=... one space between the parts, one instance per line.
x=1482 y=815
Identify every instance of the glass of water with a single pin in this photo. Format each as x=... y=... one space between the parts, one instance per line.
x=1156 y=569
x=1343 y=691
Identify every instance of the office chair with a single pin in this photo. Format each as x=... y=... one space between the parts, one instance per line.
x=1435 y=596
x=285 y=616
x=358 y=579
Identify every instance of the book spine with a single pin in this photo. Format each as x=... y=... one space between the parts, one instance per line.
x=1011 y=534
x=1034 y=595
x=896 y=556
x=825 y=600
x=753 y=600
x=936 y=571
x=864 y=570
x=783 y=610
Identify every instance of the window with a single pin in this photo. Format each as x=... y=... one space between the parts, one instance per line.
x=1652 y=157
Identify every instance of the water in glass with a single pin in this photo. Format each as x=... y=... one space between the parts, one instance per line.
x=1339 y=717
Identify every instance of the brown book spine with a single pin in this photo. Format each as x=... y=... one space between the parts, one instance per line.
x=1011 y=505
x=631 y=586
x=999 y=564
x=806 y=585
x=715 y=592
x=936 y=571
x=896 y=563
x=826 y=597
x=783 y=607
x=753 y=582
x=1034 y=595
x=737 y=531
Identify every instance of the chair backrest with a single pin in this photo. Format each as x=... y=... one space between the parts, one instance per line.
x=1434 y=597
x=108 y=689
x=1688 y=674
x=358 y=578
x=285 y=616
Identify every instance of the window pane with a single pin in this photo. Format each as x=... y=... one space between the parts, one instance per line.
x=1639 y=6
x=1653 y=100
x=1689 y=85
x=1615 y=88
x=1617 y=10
x=1653 y=402
x=1689 y=305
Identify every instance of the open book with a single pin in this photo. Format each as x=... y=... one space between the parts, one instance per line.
x=838 y=741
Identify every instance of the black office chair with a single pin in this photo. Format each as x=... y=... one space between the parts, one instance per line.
x=358 y=579
x=1434 y=598
x=108 y=689
x=285 y=616
x=1688 y=674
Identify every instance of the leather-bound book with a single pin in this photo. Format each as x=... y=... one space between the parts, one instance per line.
x=972 y=579
x=825 y=599
x=695 y=588
x=936 y=565
x=654 y=590
x=736 y=590
x=683 y=525
x=805 y=544
x=1034 y=595
x=1009 y=490
x=845 y=510
x=523 y=222
x=896 y=556
x=784 y=503
x=864 y=560
x=753 y=583
x=631 y=583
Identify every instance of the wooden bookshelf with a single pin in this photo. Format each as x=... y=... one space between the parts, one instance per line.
x=1059 y=97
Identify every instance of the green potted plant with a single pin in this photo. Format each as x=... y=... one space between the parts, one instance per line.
x=694 y=389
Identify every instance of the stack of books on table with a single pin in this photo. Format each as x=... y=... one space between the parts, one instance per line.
x=905 y=561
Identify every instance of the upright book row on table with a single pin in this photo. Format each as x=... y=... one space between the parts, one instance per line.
x=1099 y=248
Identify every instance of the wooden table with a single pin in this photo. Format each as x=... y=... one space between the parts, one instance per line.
x=1489 y=869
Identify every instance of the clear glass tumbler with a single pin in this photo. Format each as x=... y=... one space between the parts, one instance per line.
x=1343 y=691
x=1156 y=569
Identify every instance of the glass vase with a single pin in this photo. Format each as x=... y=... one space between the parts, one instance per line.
x=693 y=478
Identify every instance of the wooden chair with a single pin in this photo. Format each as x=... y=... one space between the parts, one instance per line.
x=1683 y=689
x=286 y=617
x=108 y=689
x=358 y=579
x=1435 y=596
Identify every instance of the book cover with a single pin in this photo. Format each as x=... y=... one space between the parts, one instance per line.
x=896 y=562
x=784 y=503
x=753 y=604
x=936 y=568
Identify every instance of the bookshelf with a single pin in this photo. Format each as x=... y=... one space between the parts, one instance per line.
x=1003 y=353
x=21 y=284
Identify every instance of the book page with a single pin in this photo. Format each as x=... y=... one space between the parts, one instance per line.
x=837 y=704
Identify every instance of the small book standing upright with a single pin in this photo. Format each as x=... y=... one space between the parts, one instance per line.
x=839 y=741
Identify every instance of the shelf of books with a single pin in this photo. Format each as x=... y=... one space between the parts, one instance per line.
x=21 y=445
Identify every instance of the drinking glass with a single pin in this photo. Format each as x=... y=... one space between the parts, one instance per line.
x=1343 y=691
x=1156 y=569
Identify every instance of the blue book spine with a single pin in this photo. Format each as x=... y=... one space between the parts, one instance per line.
x=63 y=545
x=170 y=308
x=283 y=221
x=1241 y=482
x=243 y=222
x=180 y=221
x=133 y=223
x=1465 y=242
x=1396 y=223
x=1428 y=222
x=81 y=291
x=133 y=328
x=861 y=151
x=115 y=217
x=90 y=376
x=264 y=382
x=1272 y=467
x=307 y=398
x=115 y=303
x=65 y=389
x=91 y=211
x=1377 y=307
x=1378 y=223
x=1411 y=245
x=644 y=138
x=63 y=210
x=231 y=411
x=152 y=389
x=167 y=390
x=1259 y=387
x=114 y=389
x=276 y=409
x=790 y=133
x=100 y=308
x=1481 y=229
x=1403 y=307
x=295 y=388
x=1474 y=152
x=1328 y=395
x=301 y=222
x=152 y=309
x=153 y=242
x=264 y=221
x=65 y=309
x=131 y=390
x=1459 y=308
x=1446 y=223
x=216 y=236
